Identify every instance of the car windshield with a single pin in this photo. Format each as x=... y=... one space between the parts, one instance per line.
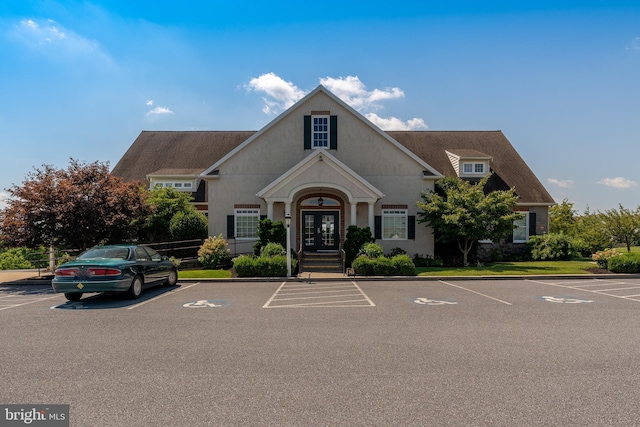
x=105 y=253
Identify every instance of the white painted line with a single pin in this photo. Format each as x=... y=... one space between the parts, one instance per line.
x=161 y=296
x=363 y=294
x=331 y=304
x=266 y=305
x=317 y=297
x=616 y=289
x=475 y=292
x=25 y=303
x=603 y=293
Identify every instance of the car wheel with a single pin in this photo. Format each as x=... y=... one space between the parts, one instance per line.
x=73 y=296
x=135 y=290
x=172 y=279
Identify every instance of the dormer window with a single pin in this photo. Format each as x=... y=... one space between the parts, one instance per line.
x=473 y=168
x=320 y=132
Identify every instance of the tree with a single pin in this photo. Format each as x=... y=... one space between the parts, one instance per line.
x=189 y=226
x=562 y=219
x=623 y=225
x=75 y=207
x=269 y=232
x=461 y=212
x=165 y=203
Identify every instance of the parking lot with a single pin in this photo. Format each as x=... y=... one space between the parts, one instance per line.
x=351 y=352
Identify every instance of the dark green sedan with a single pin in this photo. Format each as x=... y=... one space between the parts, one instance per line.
x=115 y=268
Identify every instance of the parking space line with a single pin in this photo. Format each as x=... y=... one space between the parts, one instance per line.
x=603 y=292
x=25 y=303
x=161 y=296
x=475 y=292
x=342 y=294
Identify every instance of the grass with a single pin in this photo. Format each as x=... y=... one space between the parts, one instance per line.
x=204 y=274
x=526 y=268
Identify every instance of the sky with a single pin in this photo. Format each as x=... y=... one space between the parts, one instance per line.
x=561 y=79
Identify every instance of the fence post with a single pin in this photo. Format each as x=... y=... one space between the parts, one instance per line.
x=52 y=259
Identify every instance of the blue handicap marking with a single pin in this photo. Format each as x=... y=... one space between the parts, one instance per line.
x=206 y=303
x=565 y=300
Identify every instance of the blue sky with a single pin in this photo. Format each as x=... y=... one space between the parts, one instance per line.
x=561 y=79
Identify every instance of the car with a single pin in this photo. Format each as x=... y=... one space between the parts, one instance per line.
x=114 y=268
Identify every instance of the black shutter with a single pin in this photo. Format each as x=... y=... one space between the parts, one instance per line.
x=377 y=233
x=307 y=132
x=532 y=223
x=263 y=217
x=333 y=132
x=231 y=226
x=411 y=227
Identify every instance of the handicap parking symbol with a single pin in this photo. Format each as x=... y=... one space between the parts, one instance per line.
x=205 y=303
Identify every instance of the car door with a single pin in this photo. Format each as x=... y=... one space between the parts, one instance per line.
x=158 y=270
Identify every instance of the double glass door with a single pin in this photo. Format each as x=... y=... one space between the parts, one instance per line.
x=320 y=230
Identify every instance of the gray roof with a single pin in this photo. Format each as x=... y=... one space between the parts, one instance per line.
x=158 y=152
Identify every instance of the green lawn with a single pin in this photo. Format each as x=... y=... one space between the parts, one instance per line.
x=513 y=268
x=204 y=274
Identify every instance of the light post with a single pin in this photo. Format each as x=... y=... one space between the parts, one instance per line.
x=287 y=220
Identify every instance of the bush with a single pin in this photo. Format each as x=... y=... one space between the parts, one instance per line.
x=262 y=266
x=355 y=238
x=427 y=261
x=273 y=249
x=550 y=247
x=626 y=263
x=403 y=266
x=363 y=266
x=214 y=252
x=384 y=266
x=270 y=232
x=15 y=259
x=372 y=250
x=602 y=257
x=396 y=251
x=189 y=225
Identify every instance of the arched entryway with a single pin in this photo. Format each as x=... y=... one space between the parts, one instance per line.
x=321 y=222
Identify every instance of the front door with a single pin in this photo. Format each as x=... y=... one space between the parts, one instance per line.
x=321 y=230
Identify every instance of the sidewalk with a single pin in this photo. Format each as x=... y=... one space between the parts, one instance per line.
x=23 y=276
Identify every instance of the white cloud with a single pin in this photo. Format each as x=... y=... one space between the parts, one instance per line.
x=634 y=45
x=150 y=102
x=394 y=123
x=159 y=111
x=50 y=35
x=281 y=95
x=567 y=183
x=618 y=182
x=4 y=196
x=352 y=91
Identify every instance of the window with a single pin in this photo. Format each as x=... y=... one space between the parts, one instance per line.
x=394 y=224
x=320 y=132
x=473 y=168
x=246 y=221
x=521 y=230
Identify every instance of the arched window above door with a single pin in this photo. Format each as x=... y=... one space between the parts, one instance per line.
x=320 y=201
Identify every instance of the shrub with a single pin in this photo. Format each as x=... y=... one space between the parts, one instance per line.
x=188 y=226
x=382 y=266
x=625 y=263
x=602 y=257
x=273 y=249
x=403 y=265
x=550 y=247
x=214 y=252
x=269 y=232
x=396 y=251
x=427 y=261
x=262 y=266
x=363 y=266
x=355 y=238
x=244 y=266
x=15 y=259
x=372 y=250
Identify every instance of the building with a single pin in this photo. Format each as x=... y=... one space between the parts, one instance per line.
x=329 y=167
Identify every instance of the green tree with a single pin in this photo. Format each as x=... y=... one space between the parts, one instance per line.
x=270 y=232
x=75 y=207
x=461 y=212
x=622 y=225
x=590 y=232
x=164 y=204
x=562 y=219
x=354 y=240
x=189 y=226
